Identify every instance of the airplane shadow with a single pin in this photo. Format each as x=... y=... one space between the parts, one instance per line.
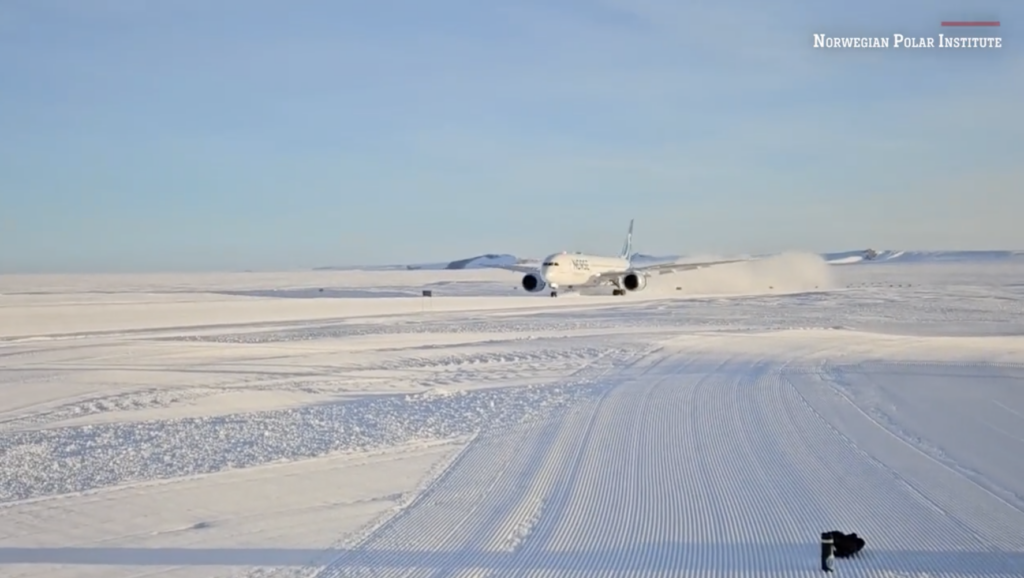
x=656 y=558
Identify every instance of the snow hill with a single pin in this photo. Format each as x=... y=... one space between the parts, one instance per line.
x=478 y=262
x=869 y=255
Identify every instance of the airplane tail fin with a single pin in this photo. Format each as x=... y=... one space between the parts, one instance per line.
x=627 y=247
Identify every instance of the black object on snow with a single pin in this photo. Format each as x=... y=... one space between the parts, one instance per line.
x=845 y=545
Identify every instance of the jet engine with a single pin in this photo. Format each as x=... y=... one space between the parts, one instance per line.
x=533 y=283
x=634 y=281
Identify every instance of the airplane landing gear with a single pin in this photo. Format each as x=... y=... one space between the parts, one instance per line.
x=618 y=291
x=554 y=293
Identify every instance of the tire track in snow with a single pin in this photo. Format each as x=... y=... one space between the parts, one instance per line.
x=488 y=501
x=862 y=495
x=982 y=518
x=921 y=448
x=526 y=508
x=458 y=507
x=679 y=467
x=875 y=403
x=727 y=503
x=463 y=502
x=577 y=498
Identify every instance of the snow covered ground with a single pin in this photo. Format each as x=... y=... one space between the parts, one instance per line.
x=334 y=423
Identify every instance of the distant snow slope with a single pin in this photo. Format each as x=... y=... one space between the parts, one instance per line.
x=884 y=256
x=488 y=260
x=850 y=257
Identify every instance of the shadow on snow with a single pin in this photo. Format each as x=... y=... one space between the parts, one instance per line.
x=653 y=557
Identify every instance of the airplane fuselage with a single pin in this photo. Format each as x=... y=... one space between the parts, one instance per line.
x=574 y=269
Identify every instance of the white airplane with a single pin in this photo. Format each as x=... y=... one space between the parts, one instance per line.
x=576 y=270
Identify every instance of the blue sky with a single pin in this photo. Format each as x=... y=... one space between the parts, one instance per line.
x=255 y=134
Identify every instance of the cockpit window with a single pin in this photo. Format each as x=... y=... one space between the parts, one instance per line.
x=550 y=264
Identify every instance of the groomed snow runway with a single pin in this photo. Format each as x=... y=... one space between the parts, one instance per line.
x=723 y=467
x=711 y=436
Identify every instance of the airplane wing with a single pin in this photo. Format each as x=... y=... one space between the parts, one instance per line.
x=521 y=267
x=665 y=268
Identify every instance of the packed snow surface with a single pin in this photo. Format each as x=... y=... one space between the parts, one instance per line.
x=337 y=423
